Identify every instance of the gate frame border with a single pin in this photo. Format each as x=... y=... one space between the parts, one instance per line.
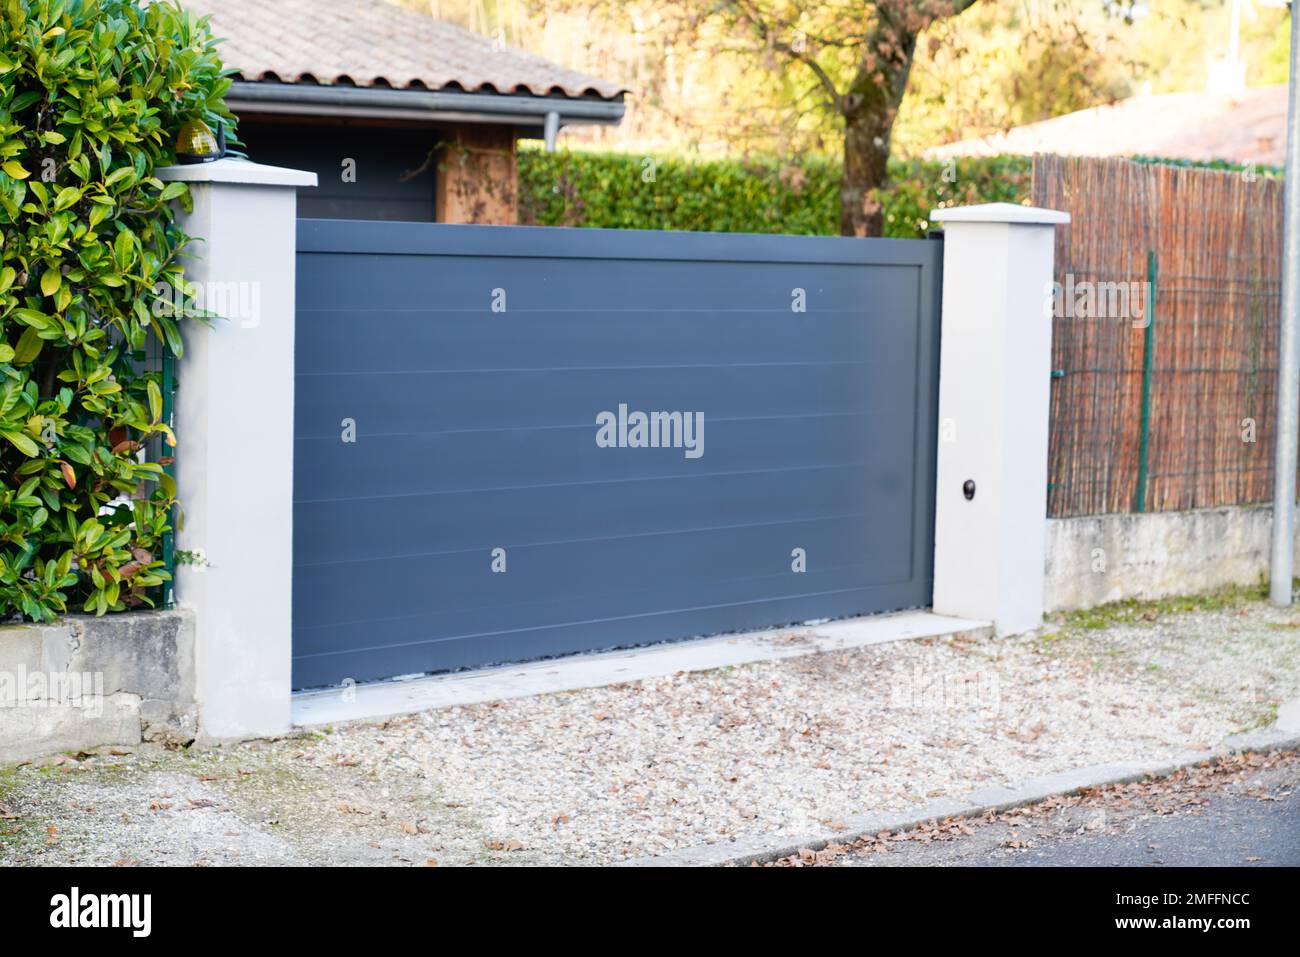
x=449 y=242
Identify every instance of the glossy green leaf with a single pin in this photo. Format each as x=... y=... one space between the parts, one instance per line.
x=22 y=442
x=29 y=347
x=51 y=280
x=155 y=401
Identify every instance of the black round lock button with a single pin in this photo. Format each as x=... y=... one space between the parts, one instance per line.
x=968 y=489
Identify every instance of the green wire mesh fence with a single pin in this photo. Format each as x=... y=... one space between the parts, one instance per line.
x=157 y=357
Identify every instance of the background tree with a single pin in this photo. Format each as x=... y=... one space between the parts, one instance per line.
x=740 y=78
x=1005 y=64
x=861 y=55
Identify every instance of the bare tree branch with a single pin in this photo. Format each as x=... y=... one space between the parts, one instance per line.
x=750 y=15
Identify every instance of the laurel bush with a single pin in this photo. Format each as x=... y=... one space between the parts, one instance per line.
x=92 y=95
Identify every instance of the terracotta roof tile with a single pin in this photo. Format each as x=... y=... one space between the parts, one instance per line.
x=374 y=43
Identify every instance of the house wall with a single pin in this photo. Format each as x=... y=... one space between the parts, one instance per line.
x=463 y=174
x=364 y=172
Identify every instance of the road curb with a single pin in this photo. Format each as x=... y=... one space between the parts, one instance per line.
x=1282 y=736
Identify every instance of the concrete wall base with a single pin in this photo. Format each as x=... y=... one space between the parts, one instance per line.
x=85 y=682
x=1095 y=559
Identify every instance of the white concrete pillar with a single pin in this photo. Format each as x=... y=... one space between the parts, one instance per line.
x=994 y=395
x=234 y=454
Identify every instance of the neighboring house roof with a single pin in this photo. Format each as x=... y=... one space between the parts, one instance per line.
x=1249 y=127
x=371 y=43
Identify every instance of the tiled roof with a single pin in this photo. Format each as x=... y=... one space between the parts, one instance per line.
x=1247 y=127
x=374 y=43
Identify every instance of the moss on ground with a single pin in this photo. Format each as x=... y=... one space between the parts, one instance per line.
x=20 y=833
x=1266 y=716
x=1138 y=612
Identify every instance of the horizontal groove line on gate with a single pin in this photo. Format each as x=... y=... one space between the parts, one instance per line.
x=486 y=312
x=602 y=368
x=851 y=257
x=468 y=609
x=658 y=533
x=333 y=436
x=569 y=624
x=611 y=481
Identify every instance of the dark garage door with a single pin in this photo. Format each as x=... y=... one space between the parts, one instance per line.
x=453 y=506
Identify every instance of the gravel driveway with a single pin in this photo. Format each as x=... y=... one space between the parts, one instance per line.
x=601 y=775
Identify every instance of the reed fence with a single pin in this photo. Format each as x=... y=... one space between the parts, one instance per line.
x=1165 y=328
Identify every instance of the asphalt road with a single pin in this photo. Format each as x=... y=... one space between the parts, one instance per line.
x=1244 y=817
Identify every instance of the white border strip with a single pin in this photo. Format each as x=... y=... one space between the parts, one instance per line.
x=386 y=699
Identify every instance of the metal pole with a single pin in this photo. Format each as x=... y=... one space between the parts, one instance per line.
x=1148 y=350
x=1288 y=373
x=551 y=130
x=169 y=536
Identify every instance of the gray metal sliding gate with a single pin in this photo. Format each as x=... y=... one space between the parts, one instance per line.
x=473 y=482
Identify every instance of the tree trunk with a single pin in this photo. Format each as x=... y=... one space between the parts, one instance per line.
x=869 y=109
x=866 y=158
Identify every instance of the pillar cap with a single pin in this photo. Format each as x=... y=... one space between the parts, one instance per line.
x=231 y=170
x=1000 y=213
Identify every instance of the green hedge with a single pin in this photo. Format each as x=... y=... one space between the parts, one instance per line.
x=1225 y=166
x=627 y=191
x=918 y=186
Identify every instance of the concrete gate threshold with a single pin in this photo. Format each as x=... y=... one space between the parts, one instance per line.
x=383 y=699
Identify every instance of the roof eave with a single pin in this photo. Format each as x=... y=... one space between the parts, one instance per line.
x=247 y=97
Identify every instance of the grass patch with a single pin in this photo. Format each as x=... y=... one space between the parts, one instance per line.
x=1138 y=612
x=1262 y=720
x=8 y=784
x=17 y=835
